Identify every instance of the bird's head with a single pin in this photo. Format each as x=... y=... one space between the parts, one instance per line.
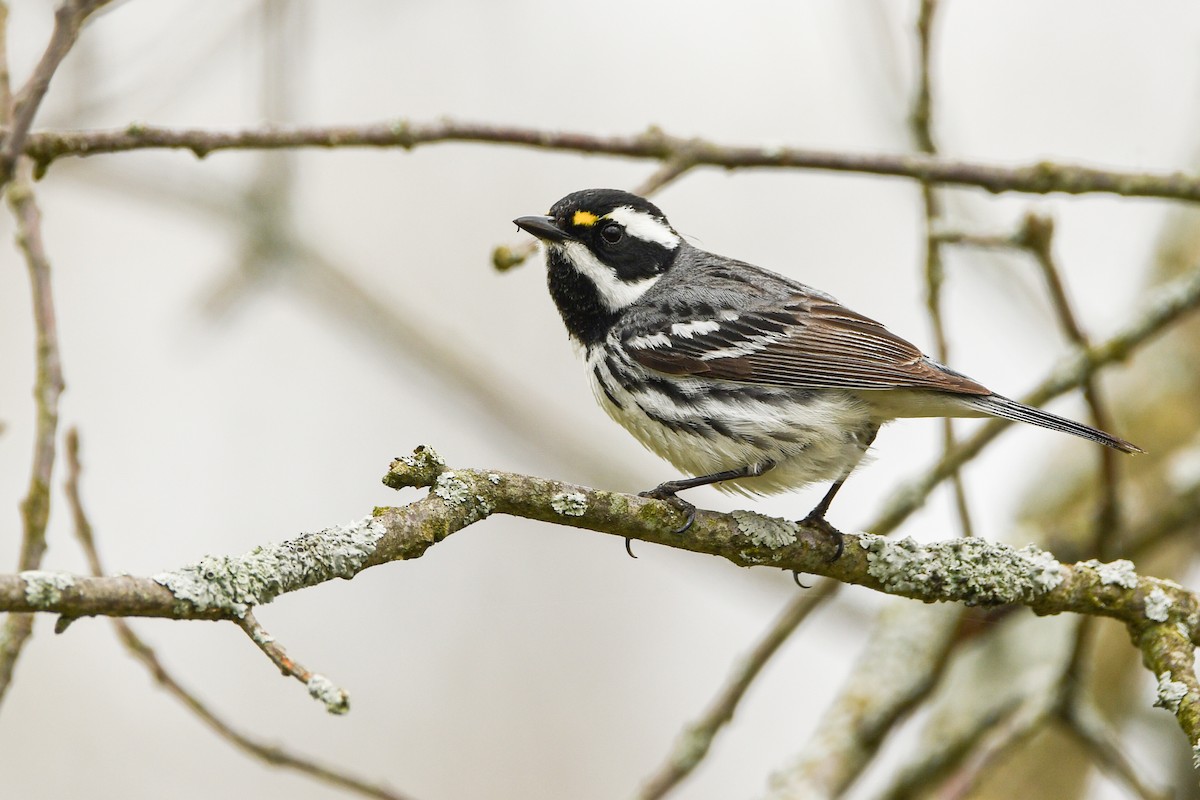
x=614 y=242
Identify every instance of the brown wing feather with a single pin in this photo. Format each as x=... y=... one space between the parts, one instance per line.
x=812 y=342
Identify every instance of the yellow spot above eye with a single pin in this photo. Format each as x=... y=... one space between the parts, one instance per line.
x=584 y=219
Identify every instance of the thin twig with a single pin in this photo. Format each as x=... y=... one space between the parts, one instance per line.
x=1166 y=305
x=921 y=122
x=48 y=387
x=337 y=701
x=271 y=754
x=68 y=21
x=1039 y=178
x=986 y=746
x=1036 y=234
x=694 y=741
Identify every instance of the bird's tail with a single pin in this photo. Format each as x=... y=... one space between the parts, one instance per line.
x=999 y=406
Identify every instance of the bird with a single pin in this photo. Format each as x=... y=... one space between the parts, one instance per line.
x=738 y=376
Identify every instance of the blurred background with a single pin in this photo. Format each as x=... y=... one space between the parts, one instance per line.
x=249 y=338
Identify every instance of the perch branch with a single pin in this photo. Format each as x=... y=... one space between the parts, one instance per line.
x=1163 y=618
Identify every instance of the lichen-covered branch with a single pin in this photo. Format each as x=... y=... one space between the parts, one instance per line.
x=275 y=755
x=1041 y=178
x=1164 y=617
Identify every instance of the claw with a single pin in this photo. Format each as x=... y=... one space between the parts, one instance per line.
x=629 y=547
x=796 y=578
x=839 y=543
x=681 y=505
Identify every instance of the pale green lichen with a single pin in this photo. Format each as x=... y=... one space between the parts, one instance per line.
x=457 y=491
x=1170 y=692
x=1158 y=605
x=420 y=468
x=493 y=479
x=451 y=488
x=44 y=589
x=337 y=701
x=1196 y=755
x=569 y=504
x=1114 y=573
x=769 y=532
x=971 y=570
x=237 y=583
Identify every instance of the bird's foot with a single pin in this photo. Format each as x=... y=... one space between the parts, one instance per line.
x=682 y=506
x=817 y=520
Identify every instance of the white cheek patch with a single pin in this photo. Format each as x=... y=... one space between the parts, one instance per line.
x=641 y=225
x=615 y=293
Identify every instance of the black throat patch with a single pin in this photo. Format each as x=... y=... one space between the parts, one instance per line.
x=587 y=319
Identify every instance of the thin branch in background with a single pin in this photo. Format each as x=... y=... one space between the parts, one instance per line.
x=68 y=21
x=921 y=122
x=901 y=665
x=1179 y=515
x=48 y=387
x=956 y=764
x=45 y=147
x=1037 y=234
x=1165 y=306
x=1084 y=722
x=270 y=754
x=696 y=739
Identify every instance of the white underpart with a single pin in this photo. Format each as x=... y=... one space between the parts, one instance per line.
x=615 y=293
x=806 y=440
x=687 y=330
x=645 y=227
x=751 y=345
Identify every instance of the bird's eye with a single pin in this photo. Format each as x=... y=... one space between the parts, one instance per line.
x=611 y=233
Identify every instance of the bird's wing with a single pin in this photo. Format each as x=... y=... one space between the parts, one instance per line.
x=808 y=341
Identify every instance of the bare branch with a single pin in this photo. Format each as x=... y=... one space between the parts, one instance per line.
x=68 y=21
x=921 y=122
x=1036 y=234
x=1167 y=305
x=271 y=754
x=48 y=387
x=1040 y=178
x=337 y=701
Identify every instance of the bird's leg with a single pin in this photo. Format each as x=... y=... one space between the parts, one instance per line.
x=667 y=491
x=816 y=517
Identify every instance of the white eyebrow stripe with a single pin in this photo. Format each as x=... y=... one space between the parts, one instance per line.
x=615 y=293
x=641 y=225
